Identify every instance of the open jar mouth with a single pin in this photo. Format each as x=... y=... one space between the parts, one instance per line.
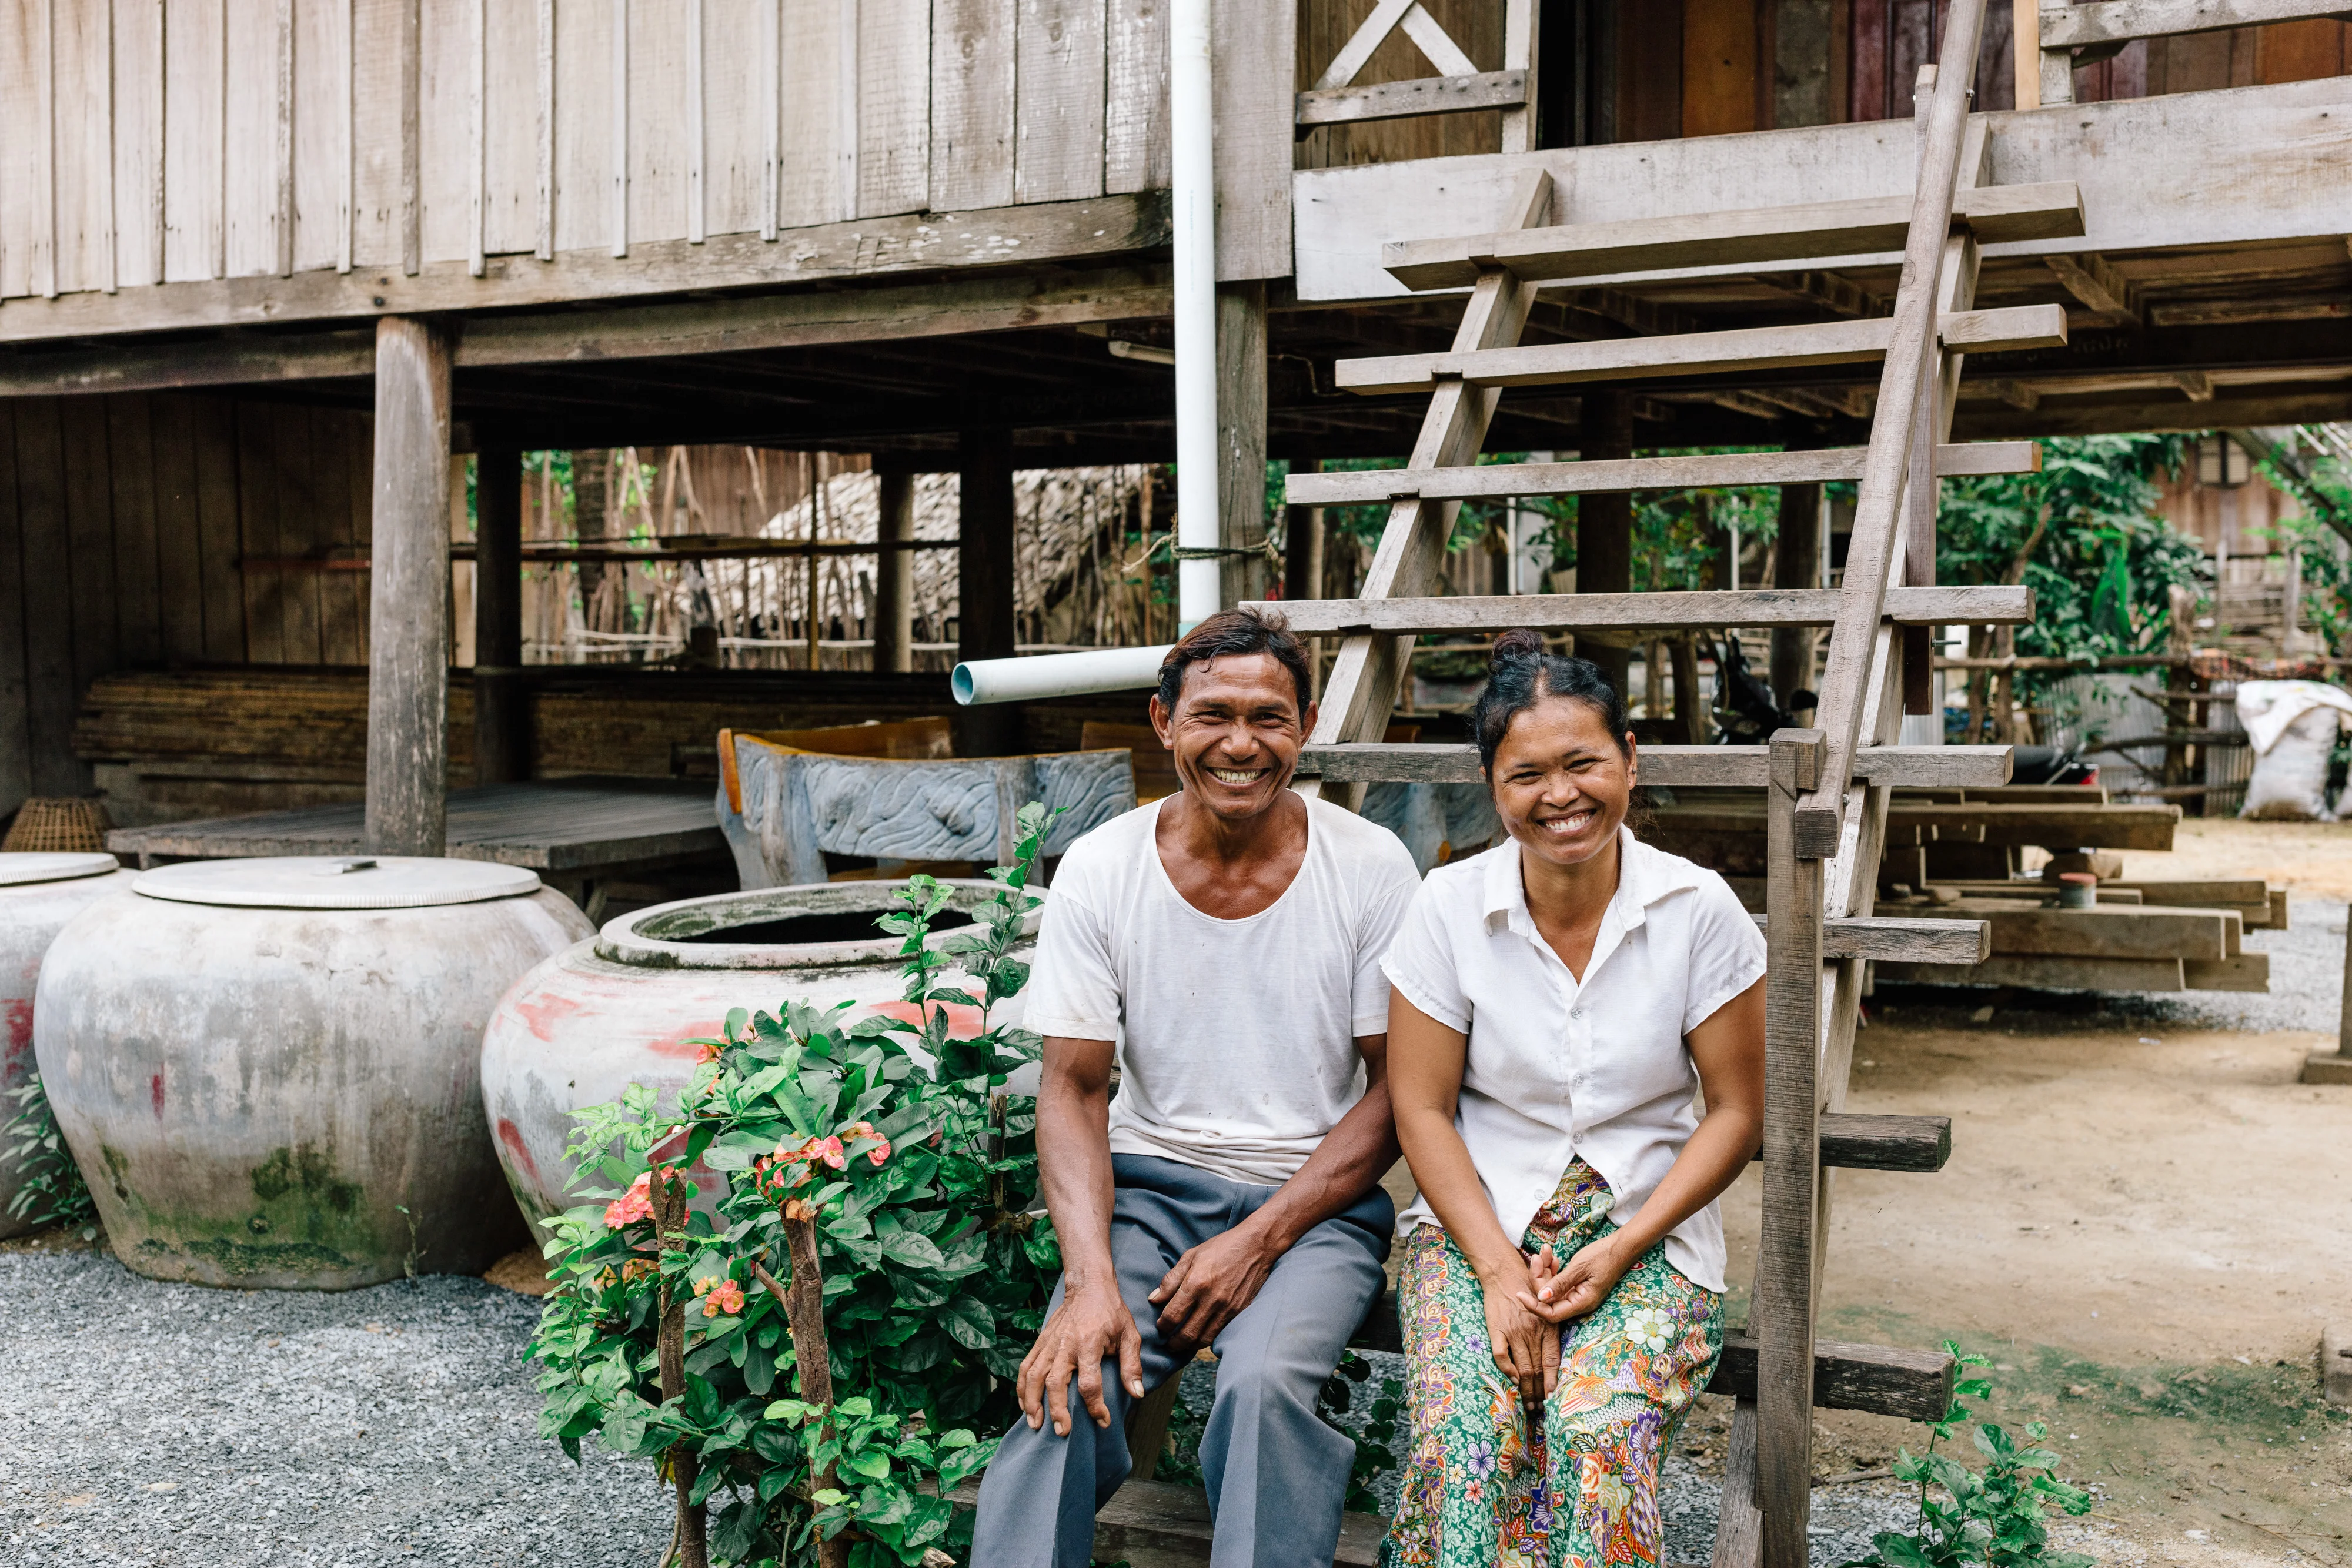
x=824 y=925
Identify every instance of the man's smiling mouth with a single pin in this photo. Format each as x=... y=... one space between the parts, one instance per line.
x=1238 y=775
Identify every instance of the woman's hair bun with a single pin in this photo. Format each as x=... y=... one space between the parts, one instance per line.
x=1515 y=647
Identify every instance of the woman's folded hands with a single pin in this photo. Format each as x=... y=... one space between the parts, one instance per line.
x=1558 y=1291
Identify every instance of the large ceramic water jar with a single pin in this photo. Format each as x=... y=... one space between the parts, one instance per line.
x=38 y=894
x=627 y=1008
x=268 y=1068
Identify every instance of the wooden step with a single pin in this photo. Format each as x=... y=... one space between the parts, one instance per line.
x=2085 y=827
x=1496 y=481
x=1993 y=604
x=1679 y=766
x=1697 y=354
x=1856 y=1143
x=2107 y=931
x=1904 y=941
x=1869 y=226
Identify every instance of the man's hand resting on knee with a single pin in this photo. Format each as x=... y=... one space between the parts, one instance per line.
x=1090 y=1326
x=1211 y=1283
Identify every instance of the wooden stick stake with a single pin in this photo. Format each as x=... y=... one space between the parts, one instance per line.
x=803 y=1302
x=691 y=1546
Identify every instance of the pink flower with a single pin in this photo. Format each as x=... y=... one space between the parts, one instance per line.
x=881 y=1151
x=723 y=1296
x=711 y=1051
x=632 y=1206
x=829 y=1150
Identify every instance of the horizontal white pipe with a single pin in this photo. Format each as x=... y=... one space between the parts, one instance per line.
x=1192 y=154
x=1058 y=675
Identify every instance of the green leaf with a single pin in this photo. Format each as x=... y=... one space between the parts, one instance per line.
x=969 y=1322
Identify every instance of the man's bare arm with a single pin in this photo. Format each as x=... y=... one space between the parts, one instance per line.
x=1074 y=1168
x=1213 y=1281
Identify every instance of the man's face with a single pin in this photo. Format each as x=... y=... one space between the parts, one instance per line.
x=1235 y=732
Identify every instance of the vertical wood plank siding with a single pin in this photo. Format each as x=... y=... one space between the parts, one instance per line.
x=205 y=139
x=140 y=530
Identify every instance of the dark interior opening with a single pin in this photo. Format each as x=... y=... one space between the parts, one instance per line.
x=853 y=926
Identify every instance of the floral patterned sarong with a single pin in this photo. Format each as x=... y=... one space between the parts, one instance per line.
x=1629 y=1374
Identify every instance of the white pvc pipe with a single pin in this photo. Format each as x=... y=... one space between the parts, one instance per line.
x=1192 y=113
x=1042 y=676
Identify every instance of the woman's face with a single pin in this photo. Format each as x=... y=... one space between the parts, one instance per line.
x=1561 y=782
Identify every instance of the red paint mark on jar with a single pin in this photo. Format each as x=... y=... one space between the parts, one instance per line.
x=511 y=1136
x=16 y=1026
x=540 y=1014
x=687 y=1044
x=155 y=1092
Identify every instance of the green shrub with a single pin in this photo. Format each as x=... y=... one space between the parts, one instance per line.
x=915 y=1185
x=50 y=1189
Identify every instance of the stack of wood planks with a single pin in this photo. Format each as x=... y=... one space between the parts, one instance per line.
x=168 y=745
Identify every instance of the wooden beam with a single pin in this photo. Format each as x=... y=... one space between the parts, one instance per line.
x=1702 y=353
x=2090 y=279
x=995 y=239
x=2092 y=23
x=2110 y=931
x=1680 y=767
x=1904 y=941
x=1959 y=605
x=2241 y=166
x=894 y=576
x=1782 y=1313
x=806 y=317
x=2056 y=973
x=408 y=611
x=1851 y=1141
x=1495 y=481
x=1402 y=100
x=984 y=600
x=2235 y=312
x=502 y=752
x=1754 y=236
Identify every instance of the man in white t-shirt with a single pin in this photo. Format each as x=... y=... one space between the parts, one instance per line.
x=1223 y=946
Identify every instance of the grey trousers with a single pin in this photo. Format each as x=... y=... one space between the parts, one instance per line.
x=1276 y=1474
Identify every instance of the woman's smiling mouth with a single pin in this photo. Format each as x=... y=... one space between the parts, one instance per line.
x=1574 y=822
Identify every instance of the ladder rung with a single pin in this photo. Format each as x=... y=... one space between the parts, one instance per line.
x=1904 y=941
x=1819 y=229
x=1967 y=604
x=2088 y=25
x=1699 y=353
x=1358 y=487
x=1915 y=1384
x=1677 y=767
x=1857 y=1143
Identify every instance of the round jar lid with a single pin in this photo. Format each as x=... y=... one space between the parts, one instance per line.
x=336 y=882
x=20 y=867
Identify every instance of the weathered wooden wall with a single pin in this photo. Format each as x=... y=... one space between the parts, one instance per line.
x=138 y=531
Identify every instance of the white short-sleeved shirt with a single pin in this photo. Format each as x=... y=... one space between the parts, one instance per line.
x=1556 y=1071
x=1236 y=1037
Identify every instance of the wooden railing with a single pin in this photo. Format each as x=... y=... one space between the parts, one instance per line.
x=1458 y=88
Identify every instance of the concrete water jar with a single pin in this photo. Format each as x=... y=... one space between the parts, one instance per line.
x=626 y=1008
x=267 y=1069
x=38 y=894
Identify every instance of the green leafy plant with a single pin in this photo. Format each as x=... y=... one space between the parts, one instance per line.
x=842 y=1206
x=49 y=1189
x=1994 y=1515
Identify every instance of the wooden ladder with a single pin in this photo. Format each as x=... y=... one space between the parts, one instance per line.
x=1827 y=787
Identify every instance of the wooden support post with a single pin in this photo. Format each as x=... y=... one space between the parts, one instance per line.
x=408 y=618
x=984 y=615
x=1796 y=564
x=1781 y=1319
x=1302 y=543
x=592 y=507
x=502 y=752
x=1241 y=441
x=2335 y=1066
x=2025 y=23
x=894 y=576
x=1604 y=524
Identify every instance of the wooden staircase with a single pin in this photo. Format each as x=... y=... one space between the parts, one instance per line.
x=1827 y=787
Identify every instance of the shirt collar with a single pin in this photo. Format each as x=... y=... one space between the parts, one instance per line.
x=1645 y=876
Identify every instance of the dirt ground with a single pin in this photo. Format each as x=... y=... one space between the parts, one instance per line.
x=2312 y=860
x=2144 y=1226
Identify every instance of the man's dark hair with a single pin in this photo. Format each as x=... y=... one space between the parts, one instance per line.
x=1239 y=631
x=1521 y=673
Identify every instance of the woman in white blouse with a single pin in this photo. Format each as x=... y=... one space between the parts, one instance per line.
x=1557 y=1002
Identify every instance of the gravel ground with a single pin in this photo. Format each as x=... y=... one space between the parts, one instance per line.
x=159 y=1424
x=174 y=1425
